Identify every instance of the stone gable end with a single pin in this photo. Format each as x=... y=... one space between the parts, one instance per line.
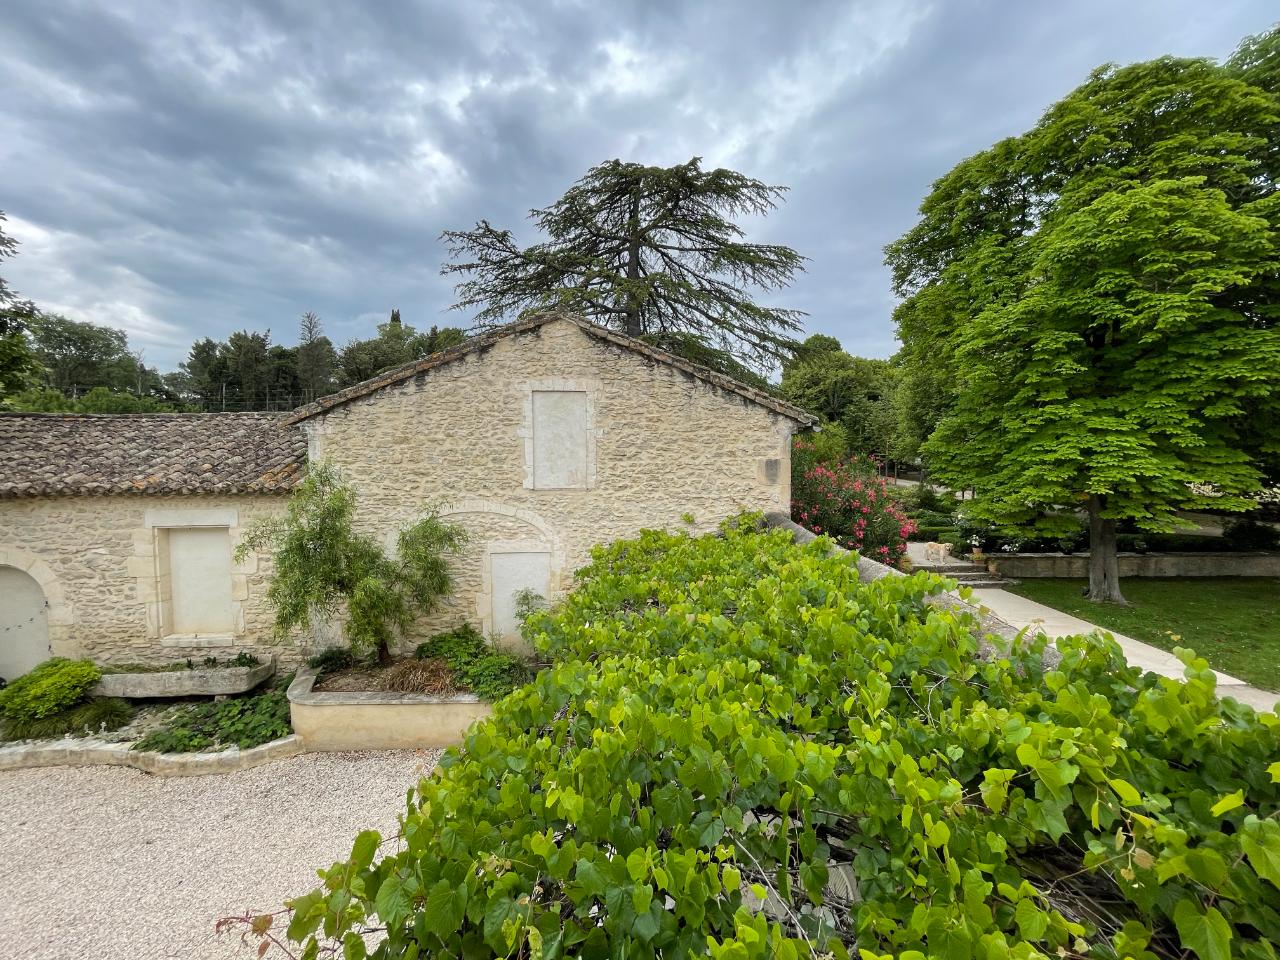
x=640 y=444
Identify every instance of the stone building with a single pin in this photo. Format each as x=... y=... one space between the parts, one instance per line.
x=542 y=438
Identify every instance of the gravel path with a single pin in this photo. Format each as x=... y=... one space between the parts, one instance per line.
x=110 y=863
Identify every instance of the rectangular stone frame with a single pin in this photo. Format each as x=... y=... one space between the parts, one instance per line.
x=149 y=568
x=592 y=388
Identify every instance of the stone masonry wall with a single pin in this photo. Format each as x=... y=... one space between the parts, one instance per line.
x=94 y=557
x=663 y=444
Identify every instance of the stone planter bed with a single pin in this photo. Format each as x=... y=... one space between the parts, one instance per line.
x=196 y=682
x=378 y=720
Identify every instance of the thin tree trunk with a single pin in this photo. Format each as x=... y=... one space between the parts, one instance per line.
x=1104 y=567
x=634 y=325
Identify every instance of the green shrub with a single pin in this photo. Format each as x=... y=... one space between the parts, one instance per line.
x=488 y=673
x=52 y=687
x=493 y=675
x=174 y=738
x=244 y=722
x=457 y=647
x=91 y=716
x=331 y=659
x=731 y=720
x=1245 y=534
x=1171 y=543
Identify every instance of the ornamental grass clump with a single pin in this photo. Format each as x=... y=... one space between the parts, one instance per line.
x=741 y=751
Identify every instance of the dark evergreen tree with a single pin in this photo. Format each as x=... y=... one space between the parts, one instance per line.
x=648 y=250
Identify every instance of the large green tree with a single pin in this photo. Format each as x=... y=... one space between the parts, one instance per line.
x=317 y=360
x=855 y=392
x=648 y=250
x=1101 y=292
x=19 y=368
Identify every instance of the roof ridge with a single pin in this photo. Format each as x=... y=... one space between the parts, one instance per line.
x=488 y=338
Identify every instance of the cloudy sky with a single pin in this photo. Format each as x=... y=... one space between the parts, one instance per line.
x=189 y=169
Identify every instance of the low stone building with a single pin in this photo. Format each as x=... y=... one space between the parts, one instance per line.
x=542 y=438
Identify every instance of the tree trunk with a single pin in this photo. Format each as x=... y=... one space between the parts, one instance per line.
x=384 y=654
x=1104 y=567
x=634 y=326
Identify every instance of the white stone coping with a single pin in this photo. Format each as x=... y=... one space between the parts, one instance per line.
x=93 y=752
x=300 y=692
x=196 y=682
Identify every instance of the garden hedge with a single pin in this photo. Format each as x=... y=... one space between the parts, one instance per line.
x=742 y=751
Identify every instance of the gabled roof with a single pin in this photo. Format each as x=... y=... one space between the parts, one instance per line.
x=62 y=454
x=486 y=340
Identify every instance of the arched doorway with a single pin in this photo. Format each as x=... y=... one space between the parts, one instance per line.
x=24 y=623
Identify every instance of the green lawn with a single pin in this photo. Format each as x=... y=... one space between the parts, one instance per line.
x=1233 y=622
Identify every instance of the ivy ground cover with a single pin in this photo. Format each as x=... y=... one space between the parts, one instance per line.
x=741 y=751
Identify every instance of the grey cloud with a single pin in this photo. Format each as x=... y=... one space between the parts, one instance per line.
x=190 y=169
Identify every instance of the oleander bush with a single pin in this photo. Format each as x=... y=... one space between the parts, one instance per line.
x=848 y=501
x=741 y=751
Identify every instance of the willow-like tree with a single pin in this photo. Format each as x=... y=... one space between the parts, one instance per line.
x=653 y=251
x=1102 y=293
x=325 y=568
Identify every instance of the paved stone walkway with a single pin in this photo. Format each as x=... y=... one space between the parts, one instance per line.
x=1023 y=613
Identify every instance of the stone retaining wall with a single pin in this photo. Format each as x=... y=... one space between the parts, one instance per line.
x=1031 y=566
x=93 y=752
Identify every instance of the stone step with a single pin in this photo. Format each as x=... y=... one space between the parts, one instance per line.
x=950 y=569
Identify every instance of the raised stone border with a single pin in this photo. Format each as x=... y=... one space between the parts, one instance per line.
x=377 y=720
x=93 y=752
x=1029 y=566
x=197 y=682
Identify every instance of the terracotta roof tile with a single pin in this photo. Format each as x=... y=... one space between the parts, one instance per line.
x=61 y=454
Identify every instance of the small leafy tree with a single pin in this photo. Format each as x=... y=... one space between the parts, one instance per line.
x=323 y=565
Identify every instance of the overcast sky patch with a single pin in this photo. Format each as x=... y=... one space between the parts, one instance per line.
x=189 y=169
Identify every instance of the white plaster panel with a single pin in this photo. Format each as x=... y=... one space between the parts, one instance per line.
x=559 y=439
x=200 y=572
x=510 y=574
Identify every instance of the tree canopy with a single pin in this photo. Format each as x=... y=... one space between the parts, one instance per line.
x=1101 y=293
x=396 y=344
x=648 y=250
x=855 y=392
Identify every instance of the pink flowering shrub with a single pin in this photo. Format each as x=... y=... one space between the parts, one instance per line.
x=848 y=501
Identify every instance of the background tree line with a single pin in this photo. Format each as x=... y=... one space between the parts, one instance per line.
x=50 y=363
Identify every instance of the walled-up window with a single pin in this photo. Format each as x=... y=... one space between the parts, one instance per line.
x=560 y=442
x=195 y=575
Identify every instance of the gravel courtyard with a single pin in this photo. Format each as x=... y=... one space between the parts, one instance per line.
x=116 y=864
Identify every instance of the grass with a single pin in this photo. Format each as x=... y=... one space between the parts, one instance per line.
x=1230 y=621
